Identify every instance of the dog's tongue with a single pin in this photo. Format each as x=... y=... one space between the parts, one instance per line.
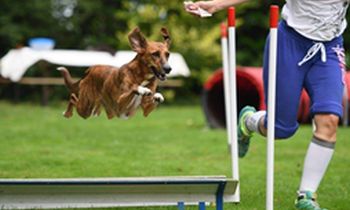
x=162 y=77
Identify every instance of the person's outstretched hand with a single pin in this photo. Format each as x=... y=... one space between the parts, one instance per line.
x=193 y=7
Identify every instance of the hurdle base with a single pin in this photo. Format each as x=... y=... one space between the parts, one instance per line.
x=115 y=192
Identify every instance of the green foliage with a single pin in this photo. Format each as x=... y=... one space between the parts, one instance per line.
x=198 y=39
x=73 y=24
x=104 y=24
x=20 y=20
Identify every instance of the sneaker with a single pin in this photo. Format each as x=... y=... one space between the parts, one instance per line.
x=244 y=134
x=307 y=201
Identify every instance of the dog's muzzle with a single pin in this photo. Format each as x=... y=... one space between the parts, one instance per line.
x=161 y=75
x=167 y=68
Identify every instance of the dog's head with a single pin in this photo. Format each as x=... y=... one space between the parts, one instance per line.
x=154 y=54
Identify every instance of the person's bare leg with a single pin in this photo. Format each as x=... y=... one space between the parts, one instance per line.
x=320 y=151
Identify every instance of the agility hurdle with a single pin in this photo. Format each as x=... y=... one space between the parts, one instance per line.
x=144 y=191
x=274 y=10
x=228 y=49
x=126 y=192
x=115 y=192
x=230 y=89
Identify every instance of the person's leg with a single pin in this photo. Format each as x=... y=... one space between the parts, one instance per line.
x=289 y=84
x=320 y=151
x=318 y=156
x=325 y=87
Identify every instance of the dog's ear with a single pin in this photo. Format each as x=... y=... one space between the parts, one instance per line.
x=137 y=41
x=166 y=36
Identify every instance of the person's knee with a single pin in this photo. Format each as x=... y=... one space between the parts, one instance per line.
x=326 y=126
x=284 y=133
x=327 y=121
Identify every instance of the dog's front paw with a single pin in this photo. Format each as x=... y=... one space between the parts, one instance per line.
x=144 y=91
x=158 y=98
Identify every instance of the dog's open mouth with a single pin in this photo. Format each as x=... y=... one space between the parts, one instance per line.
x=159 y=75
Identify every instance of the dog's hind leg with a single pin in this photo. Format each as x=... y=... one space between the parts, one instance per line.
x=69 y=111
x=85 y=107
x=72 y=102
x=109 y=111
x=96 y=110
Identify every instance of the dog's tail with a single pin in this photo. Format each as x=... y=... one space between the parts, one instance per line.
x=67 y=78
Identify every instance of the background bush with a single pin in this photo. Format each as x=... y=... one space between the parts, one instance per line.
x=104 y=25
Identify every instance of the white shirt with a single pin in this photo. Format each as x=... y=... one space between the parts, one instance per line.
x=320 y=20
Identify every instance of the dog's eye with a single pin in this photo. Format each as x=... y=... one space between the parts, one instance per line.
x=167 y=55
x=156 y=54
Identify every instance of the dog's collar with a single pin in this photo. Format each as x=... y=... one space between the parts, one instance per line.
x=149 y=78
x=144 y=83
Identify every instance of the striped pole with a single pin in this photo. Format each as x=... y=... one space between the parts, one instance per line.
x=274 y=10
x=233 y=97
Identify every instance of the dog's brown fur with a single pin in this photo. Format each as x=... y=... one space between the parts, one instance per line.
x=121 y=91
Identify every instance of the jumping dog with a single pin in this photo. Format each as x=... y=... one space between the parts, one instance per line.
x=122 y=90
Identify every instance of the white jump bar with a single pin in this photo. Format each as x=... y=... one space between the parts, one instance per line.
x=113 y=192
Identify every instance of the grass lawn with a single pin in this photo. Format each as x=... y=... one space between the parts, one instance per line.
x=38 y=142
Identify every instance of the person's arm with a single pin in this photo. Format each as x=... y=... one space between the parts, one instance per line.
x=213 y=5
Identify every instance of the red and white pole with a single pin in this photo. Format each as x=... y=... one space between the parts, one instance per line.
x=232 y=90
x=226 y=72
x=274 y=10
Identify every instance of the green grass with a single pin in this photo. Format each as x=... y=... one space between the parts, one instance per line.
x=38 y=142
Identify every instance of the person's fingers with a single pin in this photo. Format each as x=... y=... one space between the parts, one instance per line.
x=191 y=8
x=190 y=5
x=206 y=5
x=193 y=12
x=200 y=8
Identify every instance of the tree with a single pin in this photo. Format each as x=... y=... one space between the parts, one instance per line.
x=104 y=24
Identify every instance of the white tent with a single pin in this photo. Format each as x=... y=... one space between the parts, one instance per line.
x=17 y=61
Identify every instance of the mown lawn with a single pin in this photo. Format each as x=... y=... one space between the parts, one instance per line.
x=38 y=142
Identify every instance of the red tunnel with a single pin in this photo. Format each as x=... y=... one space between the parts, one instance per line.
x=249 y=92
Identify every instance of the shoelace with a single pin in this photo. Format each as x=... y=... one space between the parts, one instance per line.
x=318 y=46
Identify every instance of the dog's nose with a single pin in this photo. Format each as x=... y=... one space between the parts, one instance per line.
x=167 y=68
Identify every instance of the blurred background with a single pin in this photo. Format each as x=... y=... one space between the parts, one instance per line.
x=36 y=141
x=103 y=25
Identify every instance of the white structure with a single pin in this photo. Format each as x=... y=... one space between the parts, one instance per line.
x=274 y=11
x=115 y=192
x=105 y=192
x=17 y=61
x=232 y=97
